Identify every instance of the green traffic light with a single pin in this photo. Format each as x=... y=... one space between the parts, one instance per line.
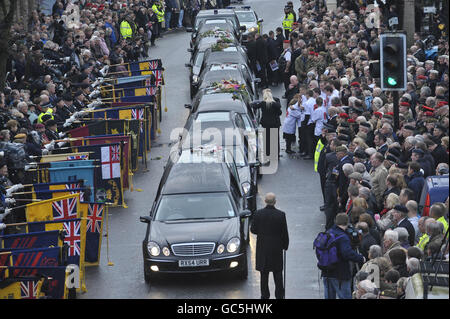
x=391 y=81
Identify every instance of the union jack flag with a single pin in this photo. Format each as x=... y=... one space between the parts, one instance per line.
x=115 y=153
x=95 y=217
x=75 y=186
x=138 y=114
x=28 y=289
x=73 y=237
x=153 y=64
x=158 y=77
x=65 y=208
x=77 y=157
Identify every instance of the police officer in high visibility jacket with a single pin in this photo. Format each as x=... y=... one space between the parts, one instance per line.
x=127 y=28
x=288 y=21
x=158 y=9
x=46 y=110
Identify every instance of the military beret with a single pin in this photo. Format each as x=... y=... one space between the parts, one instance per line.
x=378 y=114
x=394 y=151
x=359 y=153
x=390 y=113
x=47 y=105
x=354 y=84
x=356 y=109
x=341 y=148
x=332 y=42
x=409 y=127
x=330 y=128
x=20 y=136
x=389 y=293
x=441 y=103
x=343 y=115
x=366 y=184
x=344 y=124
x=351 y=121
x=50 y=123
x=428 y=113
x=365 y=124
x=402 y=165
x=343 y=137
x=427 y=108
x=405 y=104
x=401 y=208
x=392 y=158
x=421 y=77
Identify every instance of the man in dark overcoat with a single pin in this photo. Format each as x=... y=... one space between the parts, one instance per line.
x=270 y=227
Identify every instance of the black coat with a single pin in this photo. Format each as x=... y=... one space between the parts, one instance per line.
x=270 y=116
x=261 y=51
x=269 y=224
x=440 y=155
x=410 y=228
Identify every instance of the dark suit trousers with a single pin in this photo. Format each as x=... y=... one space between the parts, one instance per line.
x=331 y=204
x=267 y=141
x=278 y=279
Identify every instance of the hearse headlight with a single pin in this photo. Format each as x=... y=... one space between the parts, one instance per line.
x=233 y=245
x=153 y=248
x=166 y=251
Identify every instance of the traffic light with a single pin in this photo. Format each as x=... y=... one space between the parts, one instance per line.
x=374 y=59
x=393 y=61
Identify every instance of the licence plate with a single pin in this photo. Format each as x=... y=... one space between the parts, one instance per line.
x=193 y=262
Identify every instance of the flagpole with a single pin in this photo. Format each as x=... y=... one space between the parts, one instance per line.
x=130 y=88
x=110 y=263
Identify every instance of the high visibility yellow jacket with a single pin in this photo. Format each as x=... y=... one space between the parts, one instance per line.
x=288 y=21
x=159 y=12
x=48 y=112
x=423 y=241
x=444 y=222
x=319 y=148
x=125 y=29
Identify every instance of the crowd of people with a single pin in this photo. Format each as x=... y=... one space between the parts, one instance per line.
x=371 y=173
x=57 y=62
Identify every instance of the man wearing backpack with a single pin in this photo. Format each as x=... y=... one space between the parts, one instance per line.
x=337 y=277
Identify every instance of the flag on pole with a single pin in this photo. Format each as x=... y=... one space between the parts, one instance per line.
x=110 y=161
x=105 y=190
x=94 y=229
x=30 y=240
x=56 y=276
x=44 y=211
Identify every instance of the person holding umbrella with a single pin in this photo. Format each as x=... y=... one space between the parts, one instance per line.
x=270 y=227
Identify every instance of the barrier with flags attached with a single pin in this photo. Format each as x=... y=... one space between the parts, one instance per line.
x=62 y=206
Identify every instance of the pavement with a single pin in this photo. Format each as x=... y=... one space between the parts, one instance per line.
x=295 y=184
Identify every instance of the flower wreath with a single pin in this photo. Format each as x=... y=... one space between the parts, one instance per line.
x=229 y=86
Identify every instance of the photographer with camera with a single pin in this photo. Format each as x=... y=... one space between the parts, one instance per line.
x=337 y=277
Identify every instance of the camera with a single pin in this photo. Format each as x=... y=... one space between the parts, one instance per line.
x=354 y=234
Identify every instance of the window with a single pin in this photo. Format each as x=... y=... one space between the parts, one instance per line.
x=246 y=16
x=213 y=117
x=194 y=206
